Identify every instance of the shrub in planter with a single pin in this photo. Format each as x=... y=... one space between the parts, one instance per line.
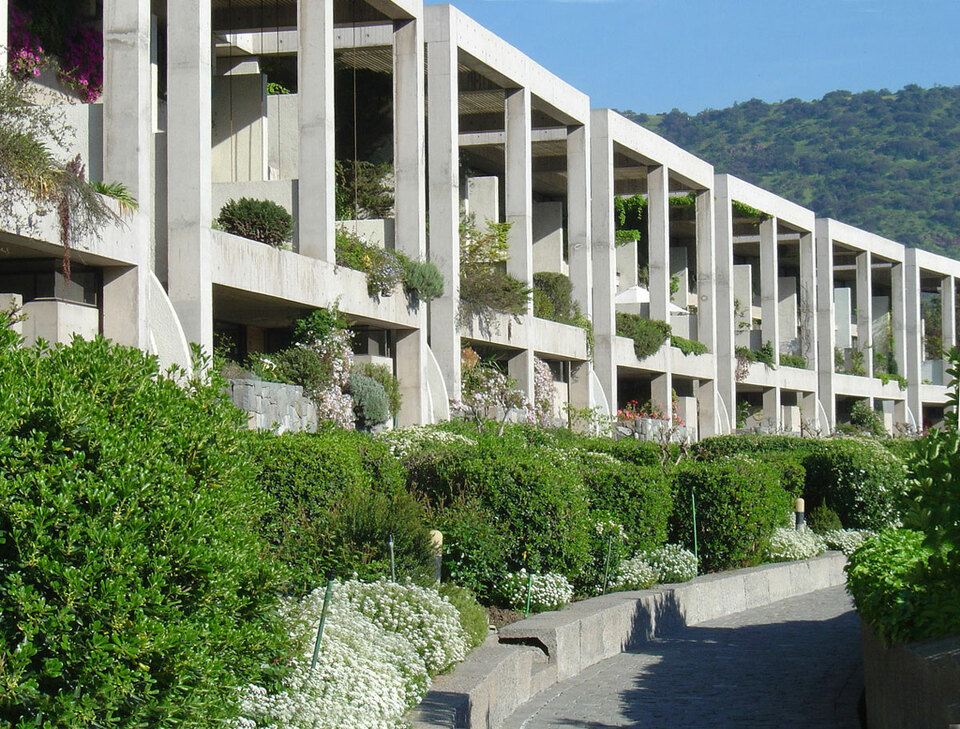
x=383 y=267
x=739 y=503
x=859 y=479
x=134 y=589
x=336 y=497
x=648 y=335
x=370 y=401
x=260 y=220
x=386 y=378
x=422 y=278
x=553 y=296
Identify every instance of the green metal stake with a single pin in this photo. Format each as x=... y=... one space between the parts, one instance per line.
x=696 y=550
x=323 y=619
x=393 y=564
x=526 y=612
x=606 y=565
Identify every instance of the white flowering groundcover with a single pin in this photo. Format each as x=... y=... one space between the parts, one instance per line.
x=381 y=643
x=789 y=543
x=550 y=591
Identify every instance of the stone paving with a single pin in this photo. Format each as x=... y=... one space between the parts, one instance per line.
x=795 y=663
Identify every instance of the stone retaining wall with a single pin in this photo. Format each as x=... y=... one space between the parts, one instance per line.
x=536 y=653
x=273 y=405
x=912 y=686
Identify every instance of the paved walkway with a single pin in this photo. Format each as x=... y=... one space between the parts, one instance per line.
x=795 y=663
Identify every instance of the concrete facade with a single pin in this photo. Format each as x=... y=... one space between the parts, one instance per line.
x=475 y=127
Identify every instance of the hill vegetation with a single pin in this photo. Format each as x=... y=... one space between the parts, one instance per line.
x=884 y=161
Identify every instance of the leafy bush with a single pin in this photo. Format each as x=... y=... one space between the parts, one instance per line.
x=687 y=346
x=634 y=574
x=788 y=544
x=475 y=547
x=473 y=618
x=749 y=444
x=422 y=278
x=419 y=614
x=520 y=491
x=385 y=377
x=822 y=519
x=370 y=401
x=671 y=562
x=383 y=267
x=131 y=564
x=553 y=296
x=739 y=503
x=363 y=190
x=765 y=354
x=865 y=419
x=261 y=220
x=793 y=360
x=648 y=335
x=859 y=479
x=336 y=497
x=549 y=591
x=485 y=286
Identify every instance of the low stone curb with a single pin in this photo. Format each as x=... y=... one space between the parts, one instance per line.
x=533 y=654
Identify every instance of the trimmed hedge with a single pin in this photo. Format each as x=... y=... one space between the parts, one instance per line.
x=739 y=503
x=336 y=497
x=134 y=588
x=859 y=479
x=260 y=220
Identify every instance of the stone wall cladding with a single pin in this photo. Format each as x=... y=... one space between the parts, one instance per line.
x=912 y=686
x=536 y=653
x=273 y=406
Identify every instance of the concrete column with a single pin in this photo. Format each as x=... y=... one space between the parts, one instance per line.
x=317 y=208
x=709 y=412
x=658 y=226
x=726 y=325
x=661 y=392
x=808 y=300
x=912 y=334
x=865 y=309
x=408 y=130
x=810 y=411
x=189 y=206
x=948 y=312
x=769 y=289
x=579 y=393
x=897 y=318
x=128 y=147
x=444 y=192
x=604 y=253
x=772 y=412
x=518 y=158
x=826 y=324
x=578 y=216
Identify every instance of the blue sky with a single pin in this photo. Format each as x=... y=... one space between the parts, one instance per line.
x=656 y=55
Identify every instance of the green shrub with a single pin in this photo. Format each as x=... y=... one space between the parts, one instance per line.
x=687 y=346
x=473 y=618
x=553 y=296
x=134 y=589
x=793 y=360
x=383 y=267
x=859 y=479
x=363 y=190
x=260 y=220
x=648 y=335
x=903 y=448
x=336 y=497
x=294 y=366
x=385 y=377
x=485 y=286
x=370 y=402
x=475 y=547
x=765 y=354
x=719 y=446
x=739 y=503
x=823 y=519
x=422 y=278
x=535 y=500
x=865 y=419
x=897 y=593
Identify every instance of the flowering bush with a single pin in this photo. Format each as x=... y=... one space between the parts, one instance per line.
x=487 y=394
x=672 y=562
x=81 y=65
x=635 y=574
x=633 y=410
x=383 y=267
x=788 y=543
x=549 y=591
x=403 y=442
x=366 y=676
x=544 y=391
x=428 y=621
x=27 y=58
x=846 y=540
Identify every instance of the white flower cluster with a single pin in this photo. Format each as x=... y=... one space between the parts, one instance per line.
x=549 y=591
x=846 y=540
x=404 y=441
x=419 y=614
x=609 y=528
x=672 y=562
x=373 y=662
x=788 y=543
x=544 y=391
x=634 y=574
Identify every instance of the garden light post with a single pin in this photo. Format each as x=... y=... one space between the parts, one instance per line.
x=798 y=513
x=323 y=619
x=393 y=564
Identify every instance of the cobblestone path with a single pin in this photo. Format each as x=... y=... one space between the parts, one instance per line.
x=795 y=663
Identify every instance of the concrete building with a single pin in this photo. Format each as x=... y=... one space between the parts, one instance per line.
x=801 y=317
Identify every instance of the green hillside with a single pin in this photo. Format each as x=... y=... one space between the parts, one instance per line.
x=888 y=162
